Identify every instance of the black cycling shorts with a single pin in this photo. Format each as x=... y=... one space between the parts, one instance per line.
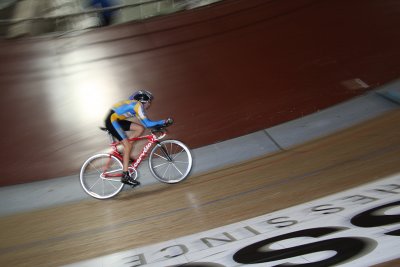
x=125 y=125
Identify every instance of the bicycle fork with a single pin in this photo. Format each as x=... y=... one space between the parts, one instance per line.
x=165 y=152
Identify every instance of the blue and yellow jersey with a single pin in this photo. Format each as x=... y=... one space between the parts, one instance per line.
x=132 y=108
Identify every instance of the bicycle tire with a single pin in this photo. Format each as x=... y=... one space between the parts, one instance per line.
x=93 y=180
x=172 y=170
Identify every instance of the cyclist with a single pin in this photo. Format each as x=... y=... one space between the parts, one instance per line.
x=116 y=123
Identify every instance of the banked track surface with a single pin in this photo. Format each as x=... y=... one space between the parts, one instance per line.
x=136 y=218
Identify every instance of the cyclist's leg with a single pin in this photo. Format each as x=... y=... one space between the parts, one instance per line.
x=135 y=130
x=126 y=177
x=121 y=126
x=117 y=128
x=127 y=151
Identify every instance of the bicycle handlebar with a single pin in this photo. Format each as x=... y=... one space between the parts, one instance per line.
x=162 y=128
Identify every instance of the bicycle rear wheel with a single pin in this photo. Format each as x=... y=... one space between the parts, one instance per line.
x=170 y=161
x=100 y=176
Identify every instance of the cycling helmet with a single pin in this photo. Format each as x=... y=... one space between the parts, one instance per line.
x=142 y=96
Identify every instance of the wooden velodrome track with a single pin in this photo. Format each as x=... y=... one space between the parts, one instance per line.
x=148 y=215
x=272 y=51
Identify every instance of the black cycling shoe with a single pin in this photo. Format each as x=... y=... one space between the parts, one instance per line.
x=126 y=179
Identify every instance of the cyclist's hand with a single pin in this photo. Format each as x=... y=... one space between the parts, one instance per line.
x=168 y=122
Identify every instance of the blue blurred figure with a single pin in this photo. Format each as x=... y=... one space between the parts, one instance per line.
x=106 y=16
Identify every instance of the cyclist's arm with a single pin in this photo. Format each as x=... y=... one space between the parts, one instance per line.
x=141 y=115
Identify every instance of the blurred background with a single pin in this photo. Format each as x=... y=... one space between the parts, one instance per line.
x=221 y=69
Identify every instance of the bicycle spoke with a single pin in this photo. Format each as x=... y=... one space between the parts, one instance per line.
x=179 y=161
x=95 y=168
x=95 y=183
x=160 y=156
x=177 y=169
x=180 y=152
x=166 y=170
x=112 y=184
x=162 y=164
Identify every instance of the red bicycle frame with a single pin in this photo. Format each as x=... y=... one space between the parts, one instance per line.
x=152 y=139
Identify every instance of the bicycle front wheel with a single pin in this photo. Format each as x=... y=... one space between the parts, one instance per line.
x=170 y=161
x=100 y=176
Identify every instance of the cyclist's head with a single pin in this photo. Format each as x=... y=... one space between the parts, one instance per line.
x=142 y=96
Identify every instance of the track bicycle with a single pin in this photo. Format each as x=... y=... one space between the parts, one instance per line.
x=170 y=161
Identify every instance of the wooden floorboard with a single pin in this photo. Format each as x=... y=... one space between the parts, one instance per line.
x=148 y=215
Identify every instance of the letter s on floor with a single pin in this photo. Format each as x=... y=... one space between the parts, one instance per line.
x=346 y=248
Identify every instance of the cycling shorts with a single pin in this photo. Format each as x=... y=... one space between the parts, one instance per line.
x=117 y=127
